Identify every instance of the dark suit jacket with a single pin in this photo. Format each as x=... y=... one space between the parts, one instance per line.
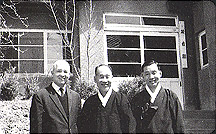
x=48 y=116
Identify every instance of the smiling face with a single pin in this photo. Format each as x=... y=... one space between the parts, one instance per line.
x=61 y=73
x=103 y=79
x=151 y=75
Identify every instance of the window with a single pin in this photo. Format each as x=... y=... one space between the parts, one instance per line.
x=163 y=50
x=133 y=39
x=126 y=53
x=203 y=49
x=130 y=40
x=32 y=51
x=22 y=50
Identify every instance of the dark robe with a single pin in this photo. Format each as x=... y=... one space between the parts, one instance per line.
x=163 y=116
x=115 y=117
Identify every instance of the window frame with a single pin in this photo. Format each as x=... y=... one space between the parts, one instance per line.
x=142 y=49
x=165 y=34
x=127 y=49
x=201 y=50
x=141 y=26
x=18 y=46
x=132 y=29
x=46 y=67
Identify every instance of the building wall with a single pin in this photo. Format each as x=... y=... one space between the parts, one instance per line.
x=97 y=45
x=182 y=9
x=190 y=77
x=39 y=16
x=204 y=18
x=196 y=89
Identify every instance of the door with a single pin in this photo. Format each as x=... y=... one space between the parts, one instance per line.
x=164 y=48
x=127 y=51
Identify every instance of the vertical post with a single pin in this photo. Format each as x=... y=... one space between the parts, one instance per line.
x=45 y=53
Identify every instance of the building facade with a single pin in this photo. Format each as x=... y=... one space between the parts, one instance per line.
x=123 y=33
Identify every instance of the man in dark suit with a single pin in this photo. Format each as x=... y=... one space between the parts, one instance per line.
x=108 y=111
x=55 y=109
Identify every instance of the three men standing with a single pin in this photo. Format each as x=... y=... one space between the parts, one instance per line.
x=153 y=110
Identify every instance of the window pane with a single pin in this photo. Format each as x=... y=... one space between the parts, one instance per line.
x=158 y=42
x=205 y=57
x=31 y=39
x=159 y=21
x=122 y=20
x=123 y=41
x=203 y=40
x=123 y=56
x=161 y=56
x=31 y=53
x=8 y=38
x=169 y=71
x=31 y=66
x=8 y=53
x=4 y=65
x=124 y=70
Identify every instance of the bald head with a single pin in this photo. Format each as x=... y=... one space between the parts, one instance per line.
x=61 y=72
x=61 y=63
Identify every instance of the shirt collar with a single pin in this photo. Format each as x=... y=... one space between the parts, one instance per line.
x=153 y=95
x=105 y=99
x=57 y=89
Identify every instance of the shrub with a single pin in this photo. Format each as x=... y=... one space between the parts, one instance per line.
x=31 y=85
x=9 y=84
x=83 y=88
x=131 y=87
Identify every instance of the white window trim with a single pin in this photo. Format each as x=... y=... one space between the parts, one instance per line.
x=45 y=32
x=201 y=51
x=141 y=34
x=129 y=29
x=140 y=27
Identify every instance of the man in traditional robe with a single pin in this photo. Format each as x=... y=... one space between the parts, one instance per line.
x=107 y=111
x=157 y=110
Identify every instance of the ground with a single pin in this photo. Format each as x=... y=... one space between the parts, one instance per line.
x=14 y=116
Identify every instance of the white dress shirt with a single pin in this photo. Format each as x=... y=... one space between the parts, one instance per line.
x=105 y=99
x=57 y=89
x=153 y=94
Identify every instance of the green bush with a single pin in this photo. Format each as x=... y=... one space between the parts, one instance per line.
x=9 y=84
x=131 y=87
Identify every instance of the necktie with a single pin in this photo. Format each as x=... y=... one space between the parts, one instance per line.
x=62 y=91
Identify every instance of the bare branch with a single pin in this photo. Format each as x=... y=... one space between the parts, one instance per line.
x=74 y=15
x=12 y=6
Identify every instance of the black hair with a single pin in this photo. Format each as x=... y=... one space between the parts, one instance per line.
x=148 y=63
x=96 y=68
